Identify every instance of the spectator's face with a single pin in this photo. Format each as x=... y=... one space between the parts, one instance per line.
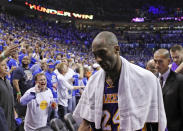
x=64 y=69
x=24 y=50
x=65 y=61
x=26 y=60
x=15 y=55
x=30 y=50
x=43 y=66
x=3 y=68
x=161 y=63
x=105 y=55
x=50 y=66
x=37 y=49
x=58 y=57
x=42 y=82
x=176 y=57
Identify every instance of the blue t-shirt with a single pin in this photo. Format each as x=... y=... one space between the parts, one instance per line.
x=32 y=62
x=76 y=83
x=1 y=48
x=36 y=68
x=12 y=62
x=51 y=79
x=85 y=80
x=94 y=72
x=20 y=57
x=36 y=72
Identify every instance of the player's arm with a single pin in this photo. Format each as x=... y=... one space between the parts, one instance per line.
x=84 y=126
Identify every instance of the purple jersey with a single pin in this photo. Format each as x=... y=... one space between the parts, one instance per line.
x=174 y=66
x=110 y=119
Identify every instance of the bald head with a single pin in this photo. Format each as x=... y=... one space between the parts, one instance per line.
x=150 y=63
x=106 y=37
x=151 y=66
x=106 y=50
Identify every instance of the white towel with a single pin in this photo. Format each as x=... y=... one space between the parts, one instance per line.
x=139 y=99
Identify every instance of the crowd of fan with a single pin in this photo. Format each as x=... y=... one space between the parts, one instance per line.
x=41 y=49
x=62 y=53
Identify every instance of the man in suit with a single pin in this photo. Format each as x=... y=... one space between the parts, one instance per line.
x=172 y=88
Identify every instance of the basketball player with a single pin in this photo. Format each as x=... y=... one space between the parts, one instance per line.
x=120 y=96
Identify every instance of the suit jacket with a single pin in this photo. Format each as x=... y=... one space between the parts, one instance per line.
x=173 y=101
x=3 y=121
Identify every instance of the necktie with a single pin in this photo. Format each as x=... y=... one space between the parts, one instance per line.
x=161 y=81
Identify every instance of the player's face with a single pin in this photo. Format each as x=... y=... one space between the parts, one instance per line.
x=161 y=63
x=176 y=57
x=105 y=55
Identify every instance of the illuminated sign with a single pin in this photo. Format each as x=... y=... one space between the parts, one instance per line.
x=58 y=12
x=171 y=18
x=159 y=19
x=138 y=19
